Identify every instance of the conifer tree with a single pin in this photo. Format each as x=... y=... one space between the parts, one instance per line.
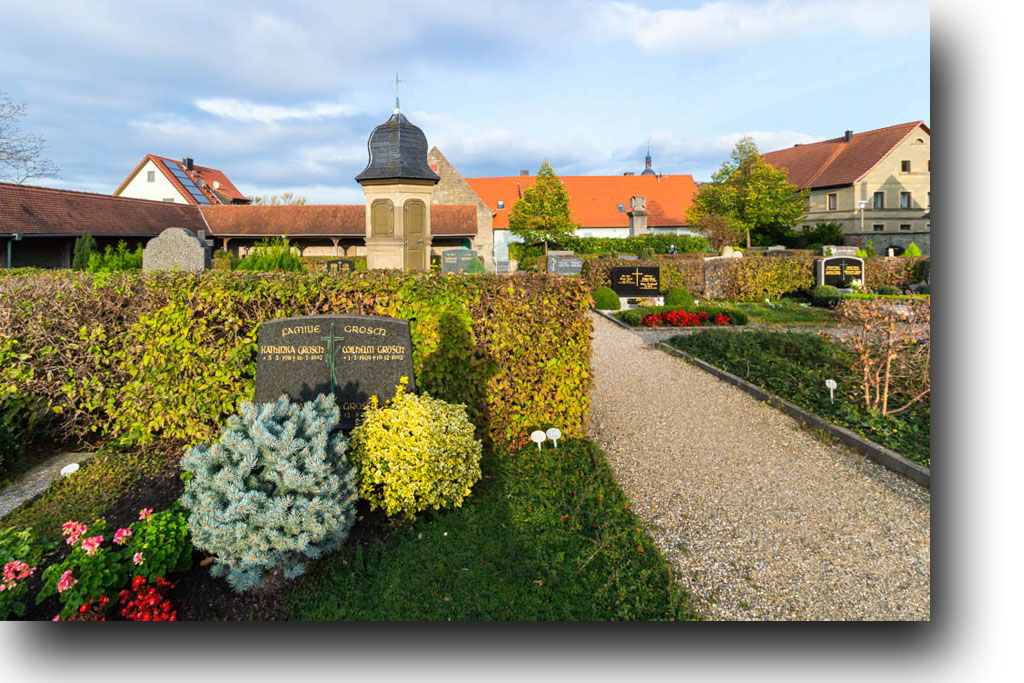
x=542 y=215
x=275 y=489
x=84 y=247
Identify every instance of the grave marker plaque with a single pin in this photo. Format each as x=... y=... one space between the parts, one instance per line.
x=353 y=356
x=637 y=281
x=341 y=265
x=456 y=260
x=839 y=271
x=565 y=265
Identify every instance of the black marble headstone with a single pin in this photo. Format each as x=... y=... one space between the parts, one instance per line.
x=359 y=356
x=341 y=265
x=456 y=260
x=637 y=280
x=565 y=265
x=839 y=271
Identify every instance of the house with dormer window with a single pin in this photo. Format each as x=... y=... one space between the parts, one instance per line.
x=179 y=182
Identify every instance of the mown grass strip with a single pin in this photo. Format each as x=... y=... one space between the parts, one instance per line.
x=546 y=535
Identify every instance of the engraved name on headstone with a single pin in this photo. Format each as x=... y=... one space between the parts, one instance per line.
x=839 y=271
x=456 y=260
x=341 y=265
x=636 y=280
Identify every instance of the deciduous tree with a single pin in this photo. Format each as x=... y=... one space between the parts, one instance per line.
x=756 y=197
x=21 y=154
x=542 y=215
x=284 y=199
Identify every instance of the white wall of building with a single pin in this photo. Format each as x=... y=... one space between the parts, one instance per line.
x=159 y=189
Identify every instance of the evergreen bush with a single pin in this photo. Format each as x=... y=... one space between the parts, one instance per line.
x=84 y=247
x=679 y=297
x=275 y=489
x=274 y=254
x=888 y=290
x=825 y=296
x=415 y=453
x=605 y=299
x=475 y=266
x=911 y=251
x=114 y=260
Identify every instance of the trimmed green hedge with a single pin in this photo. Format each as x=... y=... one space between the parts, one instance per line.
x=169 y=355
x=635 y=316
x=656 y=243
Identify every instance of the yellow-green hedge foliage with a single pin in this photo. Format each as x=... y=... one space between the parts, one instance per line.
x=415 y=453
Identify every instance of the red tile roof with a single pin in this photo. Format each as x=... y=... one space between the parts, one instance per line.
x=33 y=210
x=329 y=220
x=836 y=162
x=208 y=176
x=594 y=200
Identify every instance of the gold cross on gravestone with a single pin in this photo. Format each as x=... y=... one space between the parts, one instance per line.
x=329 y=354
x=637 y=276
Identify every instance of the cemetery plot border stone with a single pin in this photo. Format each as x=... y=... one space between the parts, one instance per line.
x=636 y=281
x=352 y=356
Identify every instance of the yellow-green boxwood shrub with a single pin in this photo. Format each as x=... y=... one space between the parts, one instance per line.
x=414 y=453
x=143 y=356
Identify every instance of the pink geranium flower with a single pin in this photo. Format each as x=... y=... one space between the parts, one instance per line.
x=144 y=514
x=137 y=558
x=66 y=581
x=73 y=530
x=90 y=544
x=121 y=537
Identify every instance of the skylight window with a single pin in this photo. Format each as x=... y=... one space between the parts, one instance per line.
x=622 y=208
x=501 y=203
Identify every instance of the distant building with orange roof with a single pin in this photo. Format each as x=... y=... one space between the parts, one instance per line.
x=179 y=182
x=876 y=184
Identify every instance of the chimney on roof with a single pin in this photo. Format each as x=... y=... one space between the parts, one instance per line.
x=524 y=172
x=189 y=164
x=629 y=173
x=848 y=136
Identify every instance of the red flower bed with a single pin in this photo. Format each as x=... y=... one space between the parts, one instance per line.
x=148 y=603
x=683 y=319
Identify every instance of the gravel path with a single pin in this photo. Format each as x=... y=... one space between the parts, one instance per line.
x=763 y=520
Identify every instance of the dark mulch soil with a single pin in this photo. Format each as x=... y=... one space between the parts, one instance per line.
x=197 y=595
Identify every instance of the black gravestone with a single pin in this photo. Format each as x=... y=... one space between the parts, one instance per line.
x=565 y=265
x=637 y=281
x=839 y=271
x=341 y=265
x=456 y=260
x=356 y=356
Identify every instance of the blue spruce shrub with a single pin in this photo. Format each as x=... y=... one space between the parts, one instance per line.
x=275 y=489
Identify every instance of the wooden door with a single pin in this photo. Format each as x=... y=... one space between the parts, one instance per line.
x=382 y=218
x=415 y=235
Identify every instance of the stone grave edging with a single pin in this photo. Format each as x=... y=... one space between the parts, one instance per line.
x=886 y=457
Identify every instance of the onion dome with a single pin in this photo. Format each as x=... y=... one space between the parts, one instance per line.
x=398 y=151
x=647 y=169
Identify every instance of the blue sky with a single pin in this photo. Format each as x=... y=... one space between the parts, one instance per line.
x=282 y=97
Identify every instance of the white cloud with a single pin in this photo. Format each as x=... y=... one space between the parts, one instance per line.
x=725 y=25
x=241 y=110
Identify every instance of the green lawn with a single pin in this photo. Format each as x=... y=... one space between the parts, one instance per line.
x=544 y=536
x=795 y=365
x=786 y=313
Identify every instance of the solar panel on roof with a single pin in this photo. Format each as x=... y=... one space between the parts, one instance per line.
x=196 y=193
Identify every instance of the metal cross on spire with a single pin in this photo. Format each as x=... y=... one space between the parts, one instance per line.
x=396 y=91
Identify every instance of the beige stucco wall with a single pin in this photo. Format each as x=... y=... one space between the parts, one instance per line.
x=389 y=252
x=886 y=177
x=453 y=189
x=159 y=190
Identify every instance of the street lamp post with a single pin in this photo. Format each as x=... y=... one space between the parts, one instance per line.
x=861 y=203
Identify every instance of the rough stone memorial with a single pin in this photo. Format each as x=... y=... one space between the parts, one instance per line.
x=176 y=249
x=341 y=265
x=456 y=260
x=637 y=281
x=839 y=271
x=565 y=265
x=352 y=356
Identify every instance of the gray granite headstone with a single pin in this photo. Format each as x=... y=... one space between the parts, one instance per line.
x=176 y=249
x=565 y=265
x=838 y=250
x=456 y=260
x=355 y=356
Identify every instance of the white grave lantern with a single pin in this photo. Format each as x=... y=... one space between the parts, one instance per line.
x=554 y=434
x=831 y=384
x=538 y=438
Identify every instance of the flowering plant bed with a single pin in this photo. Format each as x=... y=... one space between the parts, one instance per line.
x=674 y=316
x=684 y=319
